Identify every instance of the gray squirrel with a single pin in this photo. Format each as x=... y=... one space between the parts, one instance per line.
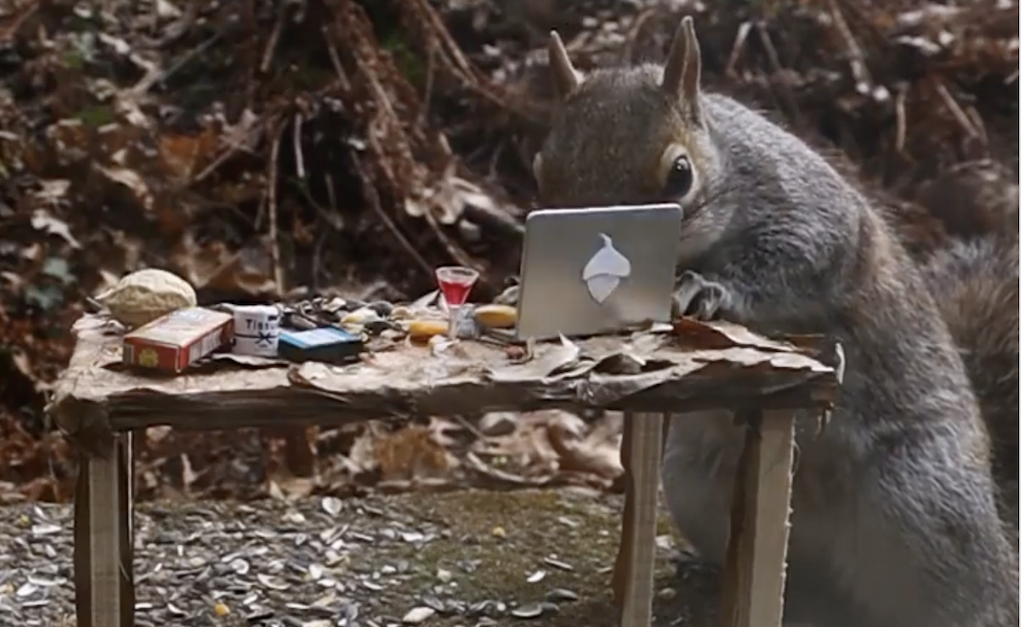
x=895 y=520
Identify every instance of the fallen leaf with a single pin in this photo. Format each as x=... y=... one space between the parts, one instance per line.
x=42 y=220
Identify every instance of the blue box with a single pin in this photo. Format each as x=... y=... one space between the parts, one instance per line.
x=327 y=344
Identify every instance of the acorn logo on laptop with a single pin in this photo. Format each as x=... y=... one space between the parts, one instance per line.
x=605 y=270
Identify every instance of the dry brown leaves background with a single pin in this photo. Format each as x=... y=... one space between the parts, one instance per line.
x=265 y=148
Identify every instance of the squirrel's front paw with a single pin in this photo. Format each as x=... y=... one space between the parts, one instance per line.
x=698 y=297
x=509 y=296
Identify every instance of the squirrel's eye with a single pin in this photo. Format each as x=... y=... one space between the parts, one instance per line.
x=680 y=178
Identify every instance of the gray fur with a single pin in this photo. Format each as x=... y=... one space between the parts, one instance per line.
x=895 y=521
x=976 y=285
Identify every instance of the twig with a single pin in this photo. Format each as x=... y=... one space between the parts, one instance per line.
x=227 y=153
x=858 y=67
x=978 y=122
x=158 y=76
x=737 y=47
x=453 y=249
x=374 y=199
x=275 y=246
x=275 y=35
x=300 y=166
x=901 y=119
x=336 y=62
x=428 y=89
x=958 y=113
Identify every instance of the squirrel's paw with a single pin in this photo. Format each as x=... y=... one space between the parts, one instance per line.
x=510 y=296
x=698 y=297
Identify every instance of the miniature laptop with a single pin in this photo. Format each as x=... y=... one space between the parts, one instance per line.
x=597 y=270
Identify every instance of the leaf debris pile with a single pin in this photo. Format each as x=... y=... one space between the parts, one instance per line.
x=262 y=149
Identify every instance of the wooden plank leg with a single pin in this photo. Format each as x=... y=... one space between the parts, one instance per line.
x=104 y=591
x=620 y=572
x=755 y=568
x=634 y=570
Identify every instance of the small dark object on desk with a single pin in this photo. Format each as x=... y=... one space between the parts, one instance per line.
x=327 y=344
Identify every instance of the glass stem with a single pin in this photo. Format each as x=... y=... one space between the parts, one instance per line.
x=453 y=319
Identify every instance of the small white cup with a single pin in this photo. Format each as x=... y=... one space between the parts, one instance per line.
x=257 y=330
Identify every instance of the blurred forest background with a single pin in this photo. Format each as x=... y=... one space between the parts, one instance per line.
x=265 y=148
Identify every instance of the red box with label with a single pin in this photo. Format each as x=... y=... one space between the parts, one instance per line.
x=177 y=340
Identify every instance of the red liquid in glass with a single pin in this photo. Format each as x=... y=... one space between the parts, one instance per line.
x=456 y=292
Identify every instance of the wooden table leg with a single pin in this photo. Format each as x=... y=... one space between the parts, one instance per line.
x=633 y=577
x=755 y=567
x=620 y=572
x=104 y=590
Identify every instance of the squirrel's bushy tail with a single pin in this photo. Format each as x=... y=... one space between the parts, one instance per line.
x=976 y=285
x=974 y=277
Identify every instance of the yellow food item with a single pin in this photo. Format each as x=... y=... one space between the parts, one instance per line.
x=146 y=295
x=427 y=328
x=495 y=316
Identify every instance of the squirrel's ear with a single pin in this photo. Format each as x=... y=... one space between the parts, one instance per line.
x=681 y=77
x=562 y=72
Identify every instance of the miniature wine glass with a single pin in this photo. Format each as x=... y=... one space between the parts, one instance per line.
x=455 y=283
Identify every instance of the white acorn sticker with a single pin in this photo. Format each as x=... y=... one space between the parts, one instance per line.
x=605 y=270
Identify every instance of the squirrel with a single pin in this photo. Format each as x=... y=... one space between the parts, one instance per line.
x=976 y=283
x=975 y=279
x=895 y=520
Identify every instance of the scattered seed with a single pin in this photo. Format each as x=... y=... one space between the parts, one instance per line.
x=274 y=583
x=413 y=536
x=417 y=615
x=433 y=603
x=174 y=609
x=550 y=561
x=316 y=571
x=45 y=529
x=331 y=505
x=530 y=610
x=27 y=589
x=561 y=595
x=43 y=582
